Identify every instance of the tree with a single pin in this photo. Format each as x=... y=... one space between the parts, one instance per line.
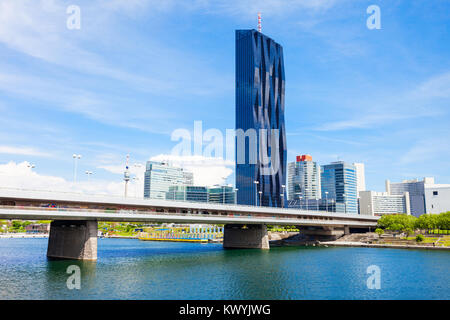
x=379 y=231
x=420 y=238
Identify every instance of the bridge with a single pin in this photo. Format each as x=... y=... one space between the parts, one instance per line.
x=73 y=230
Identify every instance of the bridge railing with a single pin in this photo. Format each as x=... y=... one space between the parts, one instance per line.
x=126 y=211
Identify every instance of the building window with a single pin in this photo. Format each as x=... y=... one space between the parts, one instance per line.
x=435 y=193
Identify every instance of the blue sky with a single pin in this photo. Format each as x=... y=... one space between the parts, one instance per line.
x=138 y=70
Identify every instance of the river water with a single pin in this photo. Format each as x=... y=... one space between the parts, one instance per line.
x=133 y=269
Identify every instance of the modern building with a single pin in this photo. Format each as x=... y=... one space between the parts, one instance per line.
x=261 y=152
x=222 y=194
x=338 y=182
x=303 y=179
x=160 y=176
x=216 y=194
x=360 y=177
x=437 y=198
x=416 y=190
x=379 y=203
x=188 y=193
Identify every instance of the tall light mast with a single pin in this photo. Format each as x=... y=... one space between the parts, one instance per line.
x=259 y=22
x=126 y=175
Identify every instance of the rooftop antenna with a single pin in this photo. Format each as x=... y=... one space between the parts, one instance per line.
x=126 y=175
x=259 y=22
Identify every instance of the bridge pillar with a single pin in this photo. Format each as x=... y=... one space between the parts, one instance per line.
x=252 y=236
x=75 y=240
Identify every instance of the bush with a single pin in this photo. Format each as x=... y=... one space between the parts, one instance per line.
x=379 y=231
x=420 y=238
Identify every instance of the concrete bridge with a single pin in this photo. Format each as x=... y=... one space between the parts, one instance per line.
x=73 y=231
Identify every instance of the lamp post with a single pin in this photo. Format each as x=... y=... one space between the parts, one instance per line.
x=326 y=196
x=256 y=192
x=31 y=166
x=282 y=195
x=317 y=204
x=306 y=198
x=260 y=195
x=235 y=195
x=75 y=157
x=89 y=173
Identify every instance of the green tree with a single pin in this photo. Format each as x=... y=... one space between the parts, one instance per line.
x=420 y=238
x=379 y=231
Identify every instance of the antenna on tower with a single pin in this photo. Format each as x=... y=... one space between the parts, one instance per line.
x=259 y=22
x=126 y=175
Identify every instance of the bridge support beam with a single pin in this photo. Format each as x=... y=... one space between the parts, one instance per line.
x=252 y=236
x=75 y=240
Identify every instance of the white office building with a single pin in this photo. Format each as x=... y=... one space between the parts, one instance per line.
x=303 y=179
x=160 y=176
x=437 y=198
x=373 y=203
x=360 y=177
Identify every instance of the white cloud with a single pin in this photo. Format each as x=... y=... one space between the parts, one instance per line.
x=26 y=151
x=207 y=171
x=21 y=176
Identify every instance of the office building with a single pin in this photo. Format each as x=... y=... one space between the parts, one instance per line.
x=416 y=190
x=160 y=176
x=188 y=193
x=303 y=179
x=360 y=177
x=338 y=182
x=379 y=203
x=260 y=127
x=216 y=194
x=222 y=194
x=437 y=198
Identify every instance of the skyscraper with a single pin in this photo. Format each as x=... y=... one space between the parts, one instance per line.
x=261 y=139
x=303 y=179
x=360 y=178
x=339 y=180
x=159 y=176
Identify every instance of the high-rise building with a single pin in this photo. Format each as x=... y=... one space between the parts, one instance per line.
x=360 y=178
x=159 y=176
x=303 y=179
x=260 y=127
x=379 y=203
x=338 y=181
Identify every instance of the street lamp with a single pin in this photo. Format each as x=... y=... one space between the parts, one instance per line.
x=260 y=194
x=326 y=196
x=256 y=192
x=317 y=204
x=235 y=195
x=283 y=186
x=89 y=173
x=31 y=166
x=75 y=157
x=306 y=198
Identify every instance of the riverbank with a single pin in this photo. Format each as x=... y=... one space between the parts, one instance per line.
x=23 y=235
x=376 y=245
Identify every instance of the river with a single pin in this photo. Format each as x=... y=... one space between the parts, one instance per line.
x=133 y=269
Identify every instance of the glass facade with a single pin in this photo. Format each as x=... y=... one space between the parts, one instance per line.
x=159 y=176
x=260 y=87
x=220 y=194
x=303 y=179
x=339 y=180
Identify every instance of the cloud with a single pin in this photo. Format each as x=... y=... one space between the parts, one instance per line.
x=25 y=151
x=21 y=176
x=207 y=171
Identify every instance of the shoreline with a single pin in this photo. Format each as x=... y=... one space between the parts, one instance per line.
x=374 y=245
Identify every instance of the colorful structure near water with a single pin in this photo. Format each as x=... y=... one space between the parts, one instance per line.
x=183 y=234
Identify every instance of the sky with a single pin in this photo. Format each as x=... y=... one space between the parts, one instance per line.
x=138 y=70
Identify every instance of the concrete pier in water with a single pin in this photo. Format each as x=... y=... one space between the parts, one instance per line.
x=73 y=240
x=238 y=236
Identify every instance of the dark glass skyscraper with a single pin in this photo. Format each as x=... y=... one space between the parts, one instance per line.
x=260 y=85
